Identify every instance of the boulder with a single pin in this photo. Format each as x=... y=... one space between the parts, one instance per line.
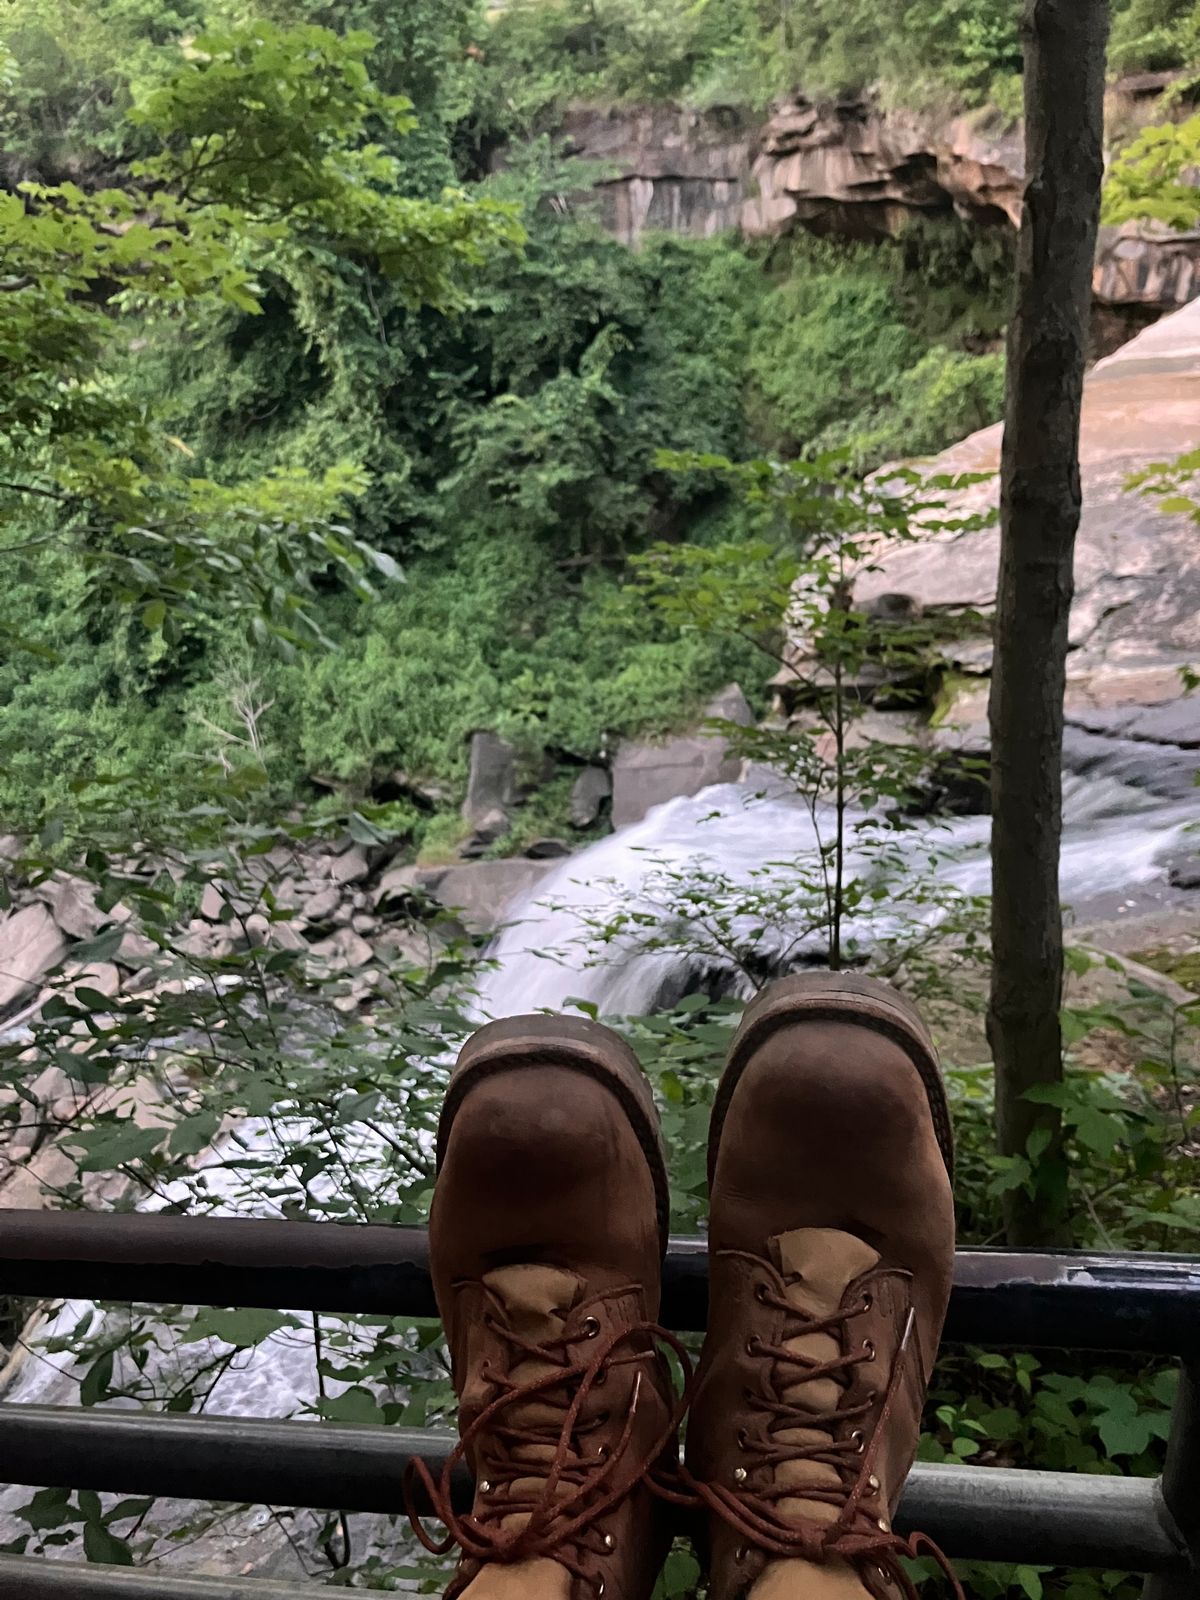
x=427 y=794
x=648 y=773
x=730 y=705
x=213 y=904
x=102 y=976
x=1184 y=872
x=351 y=866
x=1137 y=566
x=492 y=783
x=490 y=828
x=360 y=989
x=407 y=947
x=135 y=950
x=72 y=903
x=483 y=892
x=31 y=943
x=343 y=951
x=397 y=887
x=205 y=942
x=592 y=791
x=288 y=935
x=548 y=850
x=319 y=905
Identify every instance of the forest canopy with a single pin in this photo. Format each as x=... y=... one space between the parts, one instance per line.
x=313 y=405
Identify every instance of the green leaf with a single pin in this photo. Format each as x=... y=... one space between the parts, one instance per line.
x=115 y=1145
x=194 y=1133
x=1029 y=1580
x=243 y=1328
x=50 y=1508
x=97 y=1380
x=355 y=1405
x=101 y=1545
x=1124 y=1434
x=102 y=948
x=154 y=615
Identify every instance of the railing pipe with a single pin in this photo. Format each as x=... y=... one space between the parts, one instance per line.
x=1074 y=1300
x=988 y=1513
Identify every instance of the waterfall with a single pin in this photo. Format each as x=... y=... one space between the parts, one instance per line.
x=1117 y=839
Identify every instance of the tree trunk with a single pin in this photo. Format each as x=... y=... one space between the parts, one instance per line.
x=1040 y=510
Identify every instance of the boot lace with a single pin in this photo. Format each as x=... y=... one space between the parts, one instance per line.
x=858 y=1534
x=568 y=1497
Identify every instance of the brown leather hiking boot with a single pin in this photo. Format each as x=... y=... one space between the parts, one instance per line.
x=831 y=1256
x=547 y=1235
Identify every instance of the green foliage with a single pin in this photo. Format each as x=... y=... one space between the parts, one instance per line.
x=1156 y=35
x=1154 y=177
x=276 y=408
x=72 y=68
x=541 y=53
x=793 y=599
x=830 y=344
x=872 y=349
x=260 y=146
x=511 y=462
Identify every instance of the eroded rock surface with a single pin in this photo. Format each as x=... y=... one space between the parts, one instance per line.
x=1137 y=570
x=847 y=167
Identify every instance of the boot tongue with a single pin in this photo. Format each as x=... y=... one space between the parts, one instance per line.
x=536 y=1299
x=536 y=1302
x=817 y=1266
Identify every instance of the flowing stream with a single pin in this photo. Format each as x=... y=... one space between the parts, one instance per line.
x=1117 y=842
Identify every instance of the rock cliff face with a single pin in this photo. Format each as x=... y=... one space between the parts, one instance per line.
x=847 y=168
x=1137 y=569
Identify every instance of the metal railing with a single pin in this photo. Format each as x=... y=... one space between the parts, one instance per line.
x=1073 y=1301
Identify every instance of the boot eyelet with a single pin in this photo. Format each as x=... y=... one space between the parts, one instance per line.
x=484 y=1486
x=873 y=1483
x=743 y=1439
x=743 y=1554
x=869 y=1347
x=859 y=1440
x=600 y=1589
x=753 y=1345
x=590 y=1328
x=761 y=1291
x=609 y=1542
x=740 y=1474
x=868 y=1300
x=883 y=1525
x=602 y=1453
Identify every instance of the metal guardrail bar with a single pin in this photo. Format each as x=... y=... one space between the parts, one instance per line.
x=1180 y=1490
x=33 y=1578
x=1072 y=1300
x=986 y=1513
x=231 y=1261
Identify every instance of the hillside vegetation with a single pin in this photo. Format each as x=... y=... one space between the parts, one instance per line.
x=490 y=432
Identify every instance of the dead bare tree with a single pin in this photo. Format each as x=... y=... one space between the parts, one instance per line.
x=1041 y=501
